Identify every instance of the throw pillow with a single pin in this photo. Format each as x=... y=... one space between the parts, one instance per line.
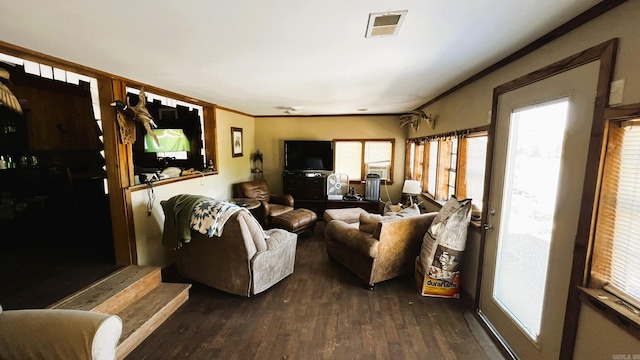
x=412 y=210
x=388 y=206
x=369 y=222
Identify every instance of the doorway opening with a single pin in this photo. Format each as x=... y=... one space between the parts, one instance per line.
x=54 y=203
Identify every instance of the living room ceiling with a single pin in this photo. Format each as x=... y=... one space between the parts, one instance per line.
x=273 y=57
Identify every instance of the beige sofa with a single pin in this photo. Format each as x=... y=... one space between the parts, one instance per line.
x=378 y=248
x=241 y=261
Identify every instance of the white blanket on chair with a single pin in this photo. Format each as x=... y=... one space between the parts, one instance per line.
x=209 y=217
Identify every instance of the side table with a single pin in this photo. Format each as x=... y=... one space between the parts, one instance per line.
x=250 y=204
x=246 y=203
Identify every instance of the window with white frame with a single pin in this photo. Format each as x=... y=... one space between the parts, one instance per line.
x=616 y=249
x=357 y=158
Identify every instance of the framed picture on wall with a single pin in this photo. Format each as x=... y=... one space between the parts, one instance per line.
x=236 y=142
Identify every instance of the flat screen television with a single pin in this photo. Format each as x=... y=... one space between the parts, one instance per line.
x=308 y=155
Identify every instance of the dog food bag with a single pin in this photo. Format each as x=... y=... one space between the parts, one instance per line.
x=445 y=240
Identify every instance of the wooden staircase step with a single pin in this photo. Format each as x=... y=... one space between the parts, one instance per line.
x=146 y=314
x=137 y=295
x=114 y=292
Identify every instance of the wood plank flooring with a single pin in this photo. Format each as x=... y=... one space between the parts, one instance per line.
x=321 y=311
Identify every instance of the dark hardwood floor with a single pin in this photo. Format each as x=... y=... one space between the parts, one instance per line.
x=321 y=311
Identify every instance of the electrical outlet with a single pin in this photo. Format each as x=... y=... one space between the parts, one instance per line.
x=616 y=92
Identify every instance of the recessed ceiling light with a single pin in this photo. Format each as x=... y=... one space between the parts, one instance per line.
x=385 y=23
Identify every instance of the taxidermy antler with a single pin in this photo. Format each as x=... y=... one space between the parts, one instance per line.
x=413 y=118
x=138 y=113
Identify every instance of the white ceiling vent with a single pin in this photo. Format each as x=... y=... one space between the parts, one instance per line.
x=385 y=23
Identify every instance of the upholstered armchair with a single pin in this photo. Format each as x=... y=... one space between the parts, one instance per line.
x=58 y=334
x=245 y=260
x=272 y=204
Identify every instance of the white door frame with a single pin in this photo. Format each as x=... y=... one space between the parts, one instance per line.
x=605 y=52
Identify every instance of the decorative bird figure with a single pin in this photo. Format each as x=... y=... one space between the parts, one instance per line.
x=6 y=96
x=138 y=113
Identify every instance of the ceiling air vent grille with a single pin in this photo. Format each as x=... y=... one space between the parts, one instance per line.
x=385 y=24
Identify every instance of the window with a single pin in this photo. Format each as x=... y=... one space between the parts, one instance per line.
x=431 y=165
x=616 y=250
x=357 y=158
x=450 y=164
x=82 y=81
x=473 y=153
x=453 y=166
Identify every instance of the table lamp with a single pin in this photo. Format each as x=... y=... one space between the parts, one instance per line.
x=411 y=188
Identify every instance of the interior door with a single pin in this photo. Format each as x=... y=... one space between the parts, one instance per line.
x=540 y=149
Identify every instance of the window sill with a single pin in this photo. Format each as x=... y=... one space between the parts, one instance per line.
x=606 y=304
x=172 y=180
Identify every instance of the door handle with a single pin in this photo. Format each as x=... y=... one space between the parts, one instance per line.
x=487 y=226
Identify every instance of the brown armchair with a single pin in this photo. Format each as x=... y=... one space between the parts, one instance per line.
x=272 y=204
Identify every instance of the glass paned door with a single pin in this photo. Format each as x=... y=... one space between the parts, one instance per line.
x=540 y=148
x=535 y=142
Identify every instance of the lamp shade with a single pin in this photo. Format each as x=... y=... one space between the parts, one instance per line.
x=411 y=187
x=169 y=139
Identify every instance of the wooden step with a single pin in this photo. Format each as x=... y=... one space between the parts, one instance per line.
x=146 y=314
x=111 y=294
x=137 y=295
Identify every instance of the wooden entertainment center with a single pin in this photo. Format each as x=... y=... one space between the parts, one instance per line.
x=309 y=190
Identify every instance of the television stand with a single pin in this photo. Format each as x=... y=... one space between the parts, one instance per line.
x=309 y=190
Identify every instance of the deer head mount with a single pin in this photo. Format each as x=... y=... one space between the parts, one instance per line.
x=414 y=118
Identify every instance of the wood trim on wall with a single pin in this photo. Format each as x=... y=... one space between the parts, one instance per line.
x=119 y=179
x=461 y=177
x=606 y=53
x=211 y=136
x=570 y=25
